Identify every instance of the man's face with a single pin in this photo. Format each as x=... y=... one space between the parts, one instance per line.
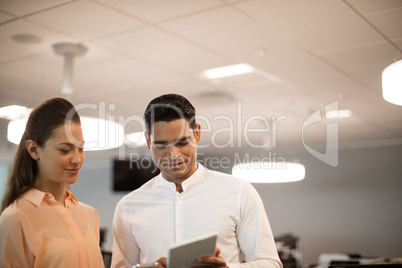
x=174 y=148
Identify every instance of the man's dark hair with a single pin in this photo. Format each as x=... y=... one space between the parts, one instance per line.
x=168 y=108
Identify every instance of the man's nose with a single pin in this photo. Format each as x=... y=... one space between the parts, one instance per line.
x=174 y=152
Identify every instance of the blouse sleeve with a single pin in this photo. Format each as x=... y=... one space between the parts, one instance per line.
x=14 y=249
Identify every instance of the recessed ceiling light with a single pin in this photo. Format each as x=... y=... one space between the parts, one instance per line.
x=136 y=139
x=269 y=172
x=392 y=83
x=14 y=111
x=99 y=134
x=227 y=71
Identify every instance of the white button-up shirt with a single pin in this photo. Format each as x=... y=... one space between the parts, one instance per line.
x=155 y=216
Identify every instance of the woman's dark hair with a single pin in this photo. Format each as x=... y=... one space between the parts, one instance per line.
x=42 y=121
x=168 y=108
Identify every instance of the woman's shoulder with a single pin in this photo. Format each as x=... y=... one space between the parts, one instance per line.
x=87 y=208
x=11 y=215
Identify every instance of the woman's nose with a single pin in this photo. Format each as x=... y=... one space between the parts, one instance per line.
x=78 y=157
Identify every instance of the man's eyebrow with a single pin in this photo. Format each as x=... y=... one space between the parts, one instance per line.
x=174 y=142
x=159 y=142
x=183 y=139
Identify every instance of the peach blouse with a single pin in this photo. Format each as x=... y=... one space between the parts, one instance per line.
x=38 y=231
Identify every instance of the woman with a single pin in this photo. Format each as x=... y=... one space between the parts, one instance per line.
x=41 y=222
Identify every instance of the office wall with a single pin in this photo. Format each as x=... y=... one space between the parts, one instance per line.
x=3 y=178
x=354 y=208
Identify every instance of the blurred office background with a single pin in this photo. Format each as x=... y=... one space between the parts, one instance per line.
x=305 y=56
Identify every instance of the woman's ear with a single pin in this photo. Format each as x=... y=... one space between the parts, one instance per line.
x=32 y=149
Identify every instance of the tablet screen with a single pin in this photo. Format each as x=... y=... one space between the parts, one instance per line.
x=186 y=253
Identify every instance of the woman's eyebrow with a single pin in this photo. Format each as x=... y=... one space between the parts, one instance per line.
x=71 y=144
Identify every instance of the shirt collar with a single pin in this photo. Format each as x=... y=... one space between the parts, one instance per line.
x=193 y=178
x=36 y=196
x=71 y=197
x=186 y=183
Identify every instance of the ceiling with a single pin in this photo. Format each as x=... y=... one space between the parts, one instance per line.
x=308 y=55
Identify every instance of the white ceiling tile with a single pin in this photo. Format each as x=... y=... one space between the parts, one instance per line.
x=32 y=69
x=148 y=43
x=338 y=87
x=373 y=108
x=298 y=69
x=260 y=49
x=98 y=60
x=192 y=63
x=285 y=14
x=7 y=53
x=28 y=92
x=137 y=97
x=127 y=75
x=370 y=76
x=332 y=34
x=388 y=22
x=233 y=1
x=23 y=7
x=5 y=17
x=86 y=20
x=215 y=27
x=279 y=100
x=364 y=6
x=154 y=11
x=360 y=57
x=398 y=42
x=185 y=86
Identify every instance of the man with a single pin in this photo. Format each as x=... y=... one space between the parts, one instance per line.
x=187 y=200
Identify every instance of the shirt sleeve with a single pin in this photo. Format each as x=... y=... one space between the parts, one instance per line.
x=14 y=249
x=125 y=248
x=254 y=232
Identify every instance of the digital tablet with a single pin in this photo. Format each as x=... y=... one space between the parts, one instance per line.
x=186 y=253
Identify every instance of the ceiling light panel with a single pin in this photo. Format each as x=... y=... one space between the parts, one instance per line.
x=227 y=71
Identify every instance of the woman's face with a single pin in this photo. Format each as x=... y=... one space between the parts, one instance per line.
x=61 y=158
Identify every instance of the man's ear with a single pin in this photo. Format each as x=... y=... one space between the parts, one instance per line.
x=197 y=133
x=148 y=138
x=32 y=149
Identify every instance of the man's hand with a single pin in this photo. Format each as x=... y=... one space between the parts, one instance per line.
x=214 y=261
x=161 y=262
